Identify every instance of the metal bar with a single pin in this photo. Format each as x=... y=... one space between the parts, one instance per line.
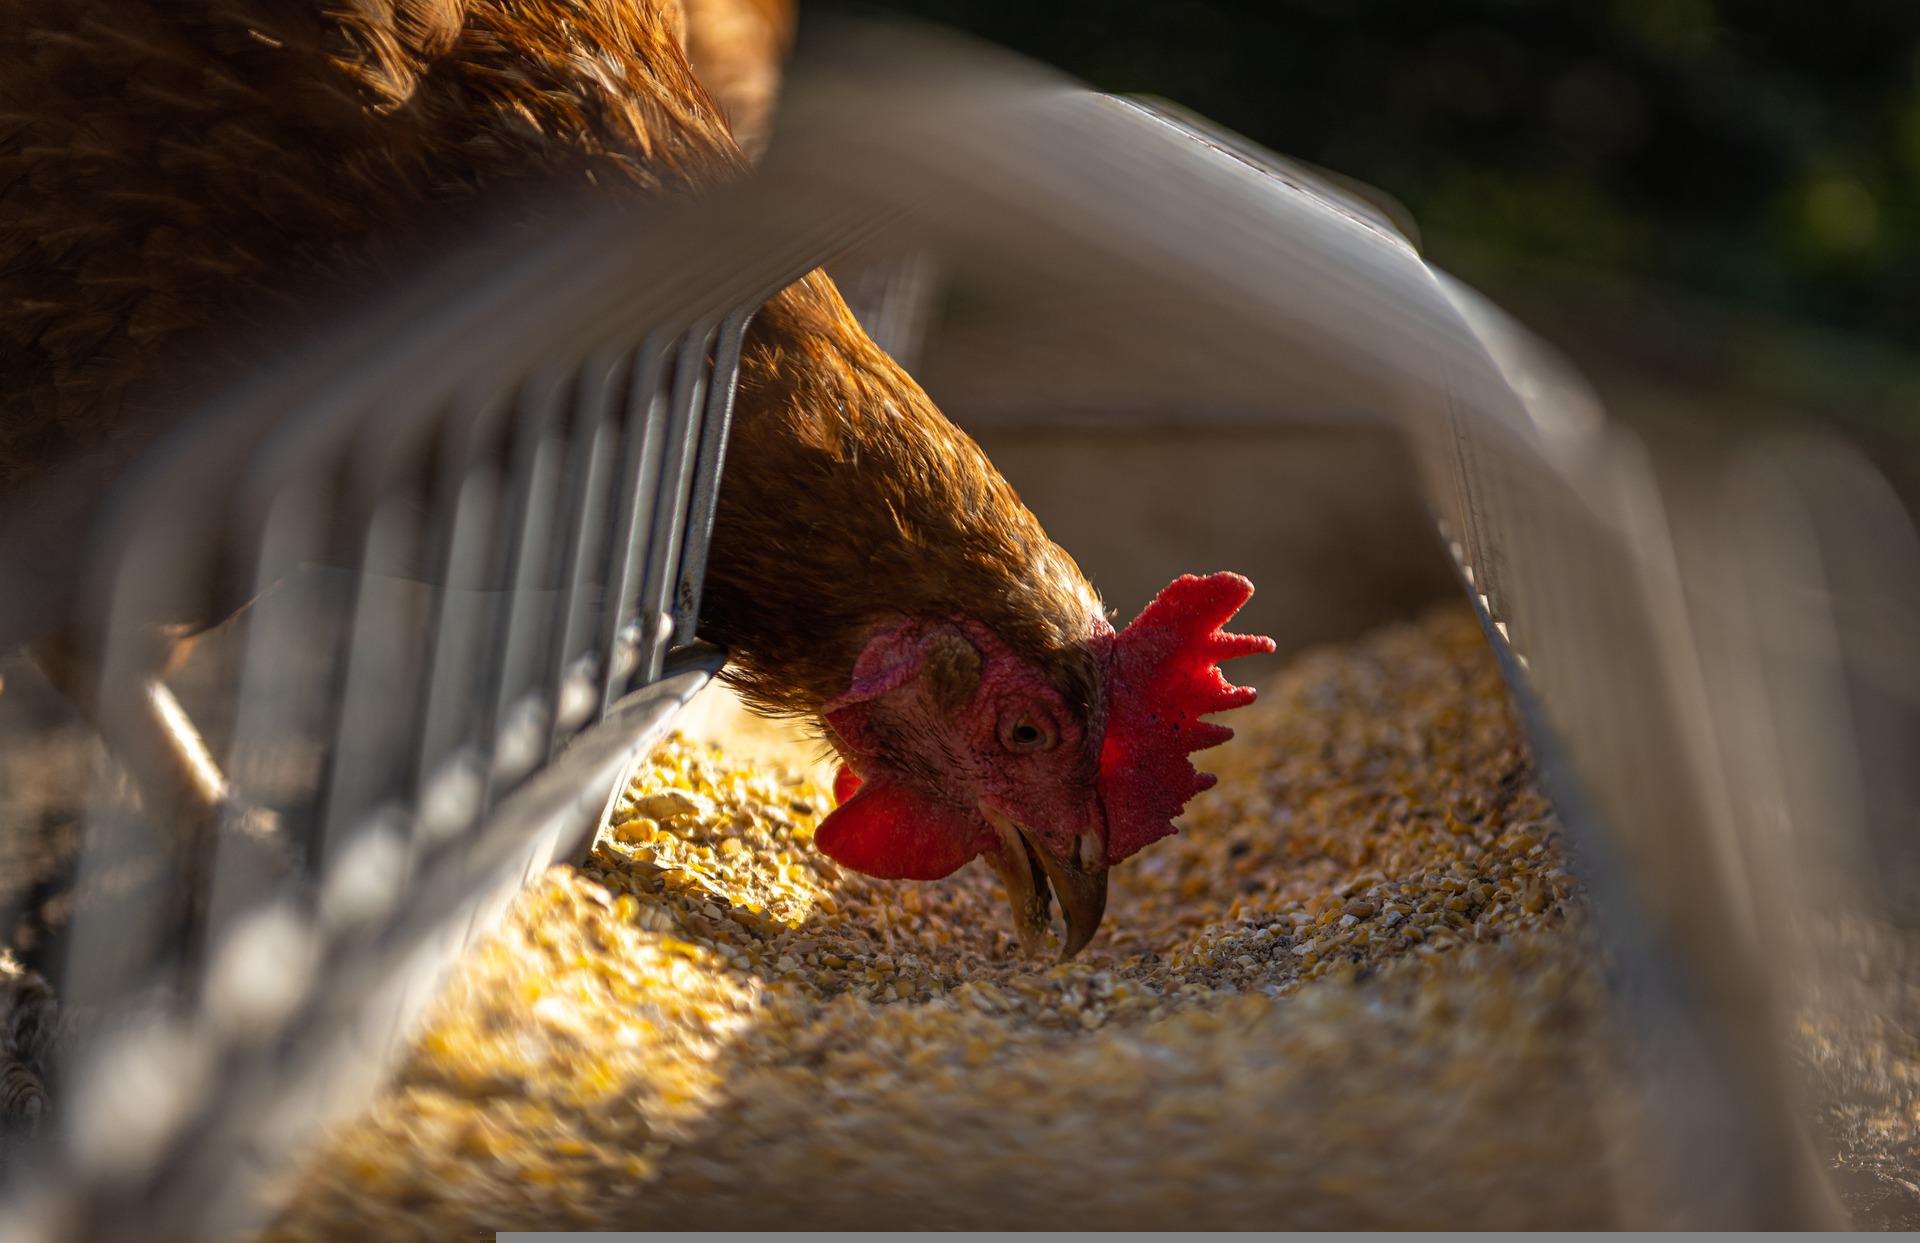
x=447 y=775
x=707 y=474
x=643 y=442
x=680 y=454
x=506 y=732
x=571 y=673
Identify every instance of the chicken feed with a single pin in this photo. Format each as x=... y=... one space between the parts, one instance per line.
x=1355 y=991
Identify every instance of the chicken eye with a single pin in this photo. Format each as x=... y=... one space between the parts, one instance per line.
x=1026 y=732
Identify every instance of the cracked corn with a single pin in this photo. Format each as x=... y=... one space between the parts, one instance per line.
x=1354 y=991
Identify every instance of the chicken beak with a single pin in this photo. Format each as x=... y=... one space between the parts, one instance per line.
x=1026 y=867
x=1082 y=893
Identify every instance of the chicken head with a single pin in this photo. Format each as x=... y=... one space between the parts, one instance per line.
x=957 y=747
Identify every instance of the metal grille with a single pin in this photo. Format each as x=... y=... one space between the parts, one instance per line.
x=1716 y=650
x=476 y=607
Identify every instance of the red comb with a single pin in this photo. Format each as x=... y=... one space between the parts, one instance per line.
x=1162 y=679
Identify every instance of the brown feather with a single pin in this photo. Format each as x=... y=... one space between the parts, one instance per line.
x=850 y=500
x=737 y=47
x=172 y=175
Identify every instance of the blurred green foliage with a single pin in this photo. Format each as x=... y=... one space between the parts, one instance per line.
x=1766 y=152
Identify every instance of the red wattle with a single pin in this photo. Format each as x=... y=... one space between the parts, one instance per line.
x=845 y=782
x=889 y=831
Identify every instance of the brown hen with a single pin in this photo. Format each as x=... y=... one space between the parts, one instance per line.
x=171 y=175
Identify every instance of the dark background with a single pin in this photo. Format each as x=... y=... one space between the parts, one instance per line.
x=1722 y=194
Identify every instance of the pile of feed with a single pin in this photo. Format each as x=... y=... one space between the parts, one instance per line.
x=1355 y=991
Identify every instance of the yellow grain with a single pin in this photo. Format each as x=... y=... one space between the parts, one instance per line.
x=1354 y=990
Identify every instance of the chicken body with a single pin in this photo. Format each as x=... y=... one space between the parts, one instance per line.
x=176 y=180
x=177 y=175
